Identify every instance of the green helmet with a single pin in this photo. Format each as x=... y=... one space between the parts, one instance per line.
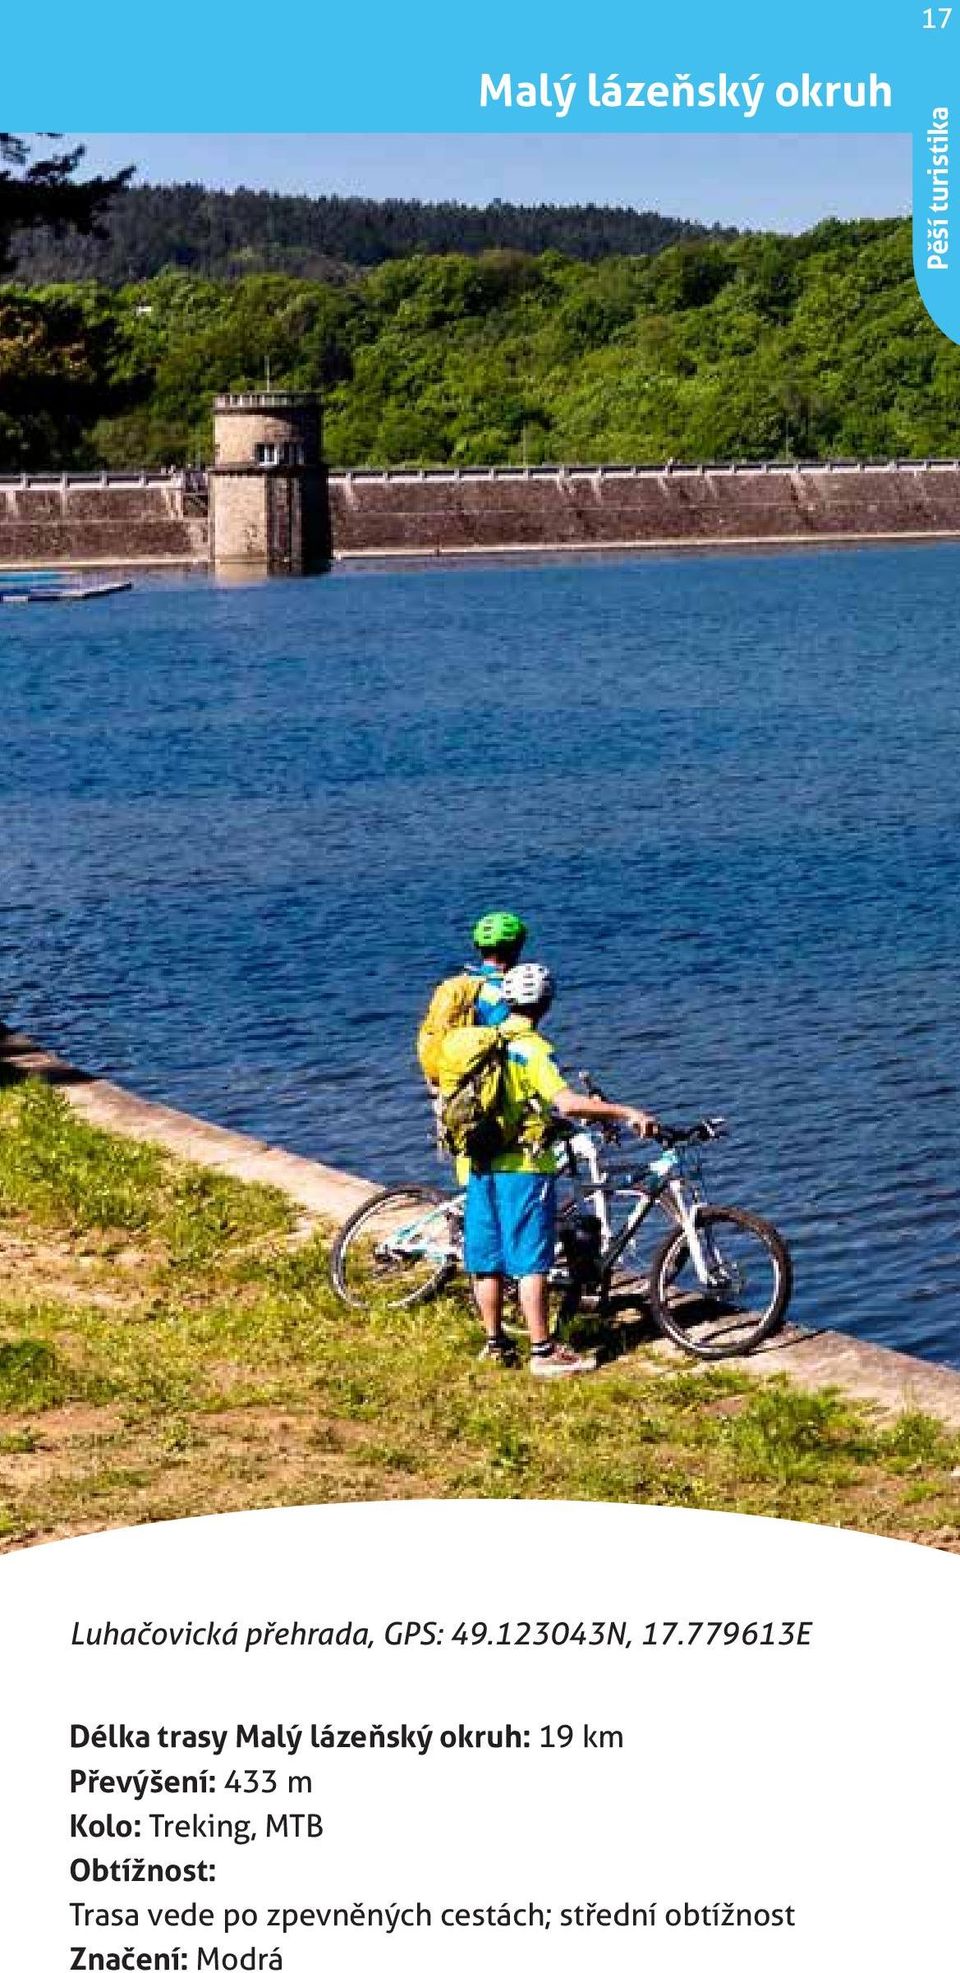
x=499 y=928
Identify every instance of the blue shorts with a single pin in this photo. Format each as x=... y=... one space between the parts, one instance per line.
x=510 y=1223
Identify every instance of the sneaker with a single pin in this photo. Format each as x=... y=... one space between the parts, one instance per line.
x=503 y=1352
x=562 y=1362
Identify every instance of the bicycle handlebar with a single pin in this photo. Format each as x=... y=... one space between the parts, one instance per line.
x=704 y=1131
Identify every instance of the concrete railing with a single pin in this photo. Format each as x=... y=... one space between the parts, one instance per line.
x=672 y=468
x=157 y=476
x=191 y=478
x=263 y=400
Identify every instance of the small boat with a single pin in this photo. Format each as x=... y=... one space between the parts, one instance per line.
x=47 y=586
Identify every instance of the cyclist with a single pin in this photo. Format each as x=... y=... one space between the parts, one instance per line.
x=511 y=1210
x=475 y=995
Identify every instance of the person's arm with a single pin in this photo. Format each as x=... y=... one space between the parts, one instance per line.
x=570 y=1104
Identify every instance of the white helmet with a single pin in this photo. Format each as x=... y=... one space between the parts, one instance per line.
x=529 y=985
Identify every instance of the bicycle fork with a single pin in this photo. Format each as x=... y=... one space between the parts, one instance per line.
x=711 y=1270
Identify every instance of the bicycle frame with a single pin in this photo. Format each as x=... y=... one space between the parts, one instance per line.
x=670 y=1180
x=419 y=1243
x=669 y=1177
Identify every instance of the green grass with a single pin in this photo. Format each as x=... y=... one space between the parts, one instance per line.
x=31 y=1376
x=169 y=1345
x=64 y=1172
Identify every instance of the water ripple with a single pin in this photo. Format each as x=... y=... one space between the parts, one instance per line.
x=243 y=831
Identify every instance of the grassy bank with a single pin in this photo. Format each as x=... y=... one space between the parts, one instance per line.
x=169 y=1346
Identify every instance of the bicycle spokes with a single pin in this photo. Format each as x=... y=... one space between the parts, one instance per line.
x=398 y=1248
x=722 y=1285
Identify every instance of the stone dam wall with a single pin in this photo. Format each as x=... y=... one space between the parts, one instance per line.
x=115 y=519
x=123 y=519
x=607 y=507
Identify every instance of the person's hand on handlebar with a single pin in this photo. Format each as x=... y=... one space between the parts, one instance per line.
x=643 y=1122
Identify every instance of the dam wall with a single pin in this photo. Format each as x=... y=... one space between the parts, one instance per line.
x=122 y=519
x=116 y=519
x=580 y=507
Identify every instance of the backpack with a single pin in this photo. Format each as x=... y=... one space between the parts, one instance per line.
x=453 y=1006
x=471 y=1063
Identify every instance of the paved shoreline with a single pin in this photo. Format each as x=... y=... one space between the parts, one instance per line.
x=319 y=1189
x=815 y=1359
x=515 y=550
x=664 y=545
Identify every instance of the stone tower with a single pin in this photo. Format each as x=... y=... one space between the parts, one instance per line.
x=268 y=485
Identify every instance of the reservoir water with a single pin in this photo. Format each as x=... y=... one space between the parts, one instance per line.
x=244 y=830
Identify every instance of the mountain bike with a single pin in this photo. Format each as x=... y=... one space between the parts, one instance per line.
x=718 y=1285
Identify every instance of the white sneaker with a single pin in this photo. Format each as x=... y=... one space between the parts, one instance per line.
x=562 y=1362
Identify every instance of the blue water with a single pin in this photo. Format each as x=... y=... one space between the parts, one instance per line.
x=244 y=830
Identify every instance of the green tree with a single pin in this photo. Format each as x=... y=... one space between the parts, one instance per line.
x=56 y=356
x=58 y=351
x=712 y=349
x=45 y=192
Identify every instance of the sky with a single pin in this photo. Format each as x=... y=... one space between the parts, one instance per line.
x=783 y=183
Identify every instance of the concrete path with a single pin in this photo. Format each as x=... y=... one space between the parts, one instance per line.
x=823 y=1359
x=320 y=1189
x=815 y=1359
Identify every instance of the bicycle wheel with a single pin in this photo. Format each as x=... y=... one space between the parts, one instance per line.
x=398 y=1248
x=749 y=1289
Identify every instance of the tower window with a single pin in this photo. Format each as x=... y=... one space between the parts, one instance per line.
x=289 y=452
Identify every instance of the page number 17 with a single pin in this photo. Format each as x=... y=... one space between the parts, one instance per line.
x=936 y=16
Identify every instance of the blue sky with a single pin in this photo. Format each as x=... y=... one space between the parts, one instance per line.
x=755 y=180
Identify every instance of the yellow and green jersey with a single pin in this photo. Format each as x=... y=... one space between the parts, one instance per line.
x=531 y=1085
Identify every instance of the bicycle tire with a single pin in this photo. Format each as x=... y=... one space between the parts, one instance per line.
x=714 y=1326
x=364 y=1275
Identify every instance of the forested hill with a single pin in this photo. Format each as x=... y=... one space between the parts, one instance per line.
x=766 y=345
x=221 y=234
